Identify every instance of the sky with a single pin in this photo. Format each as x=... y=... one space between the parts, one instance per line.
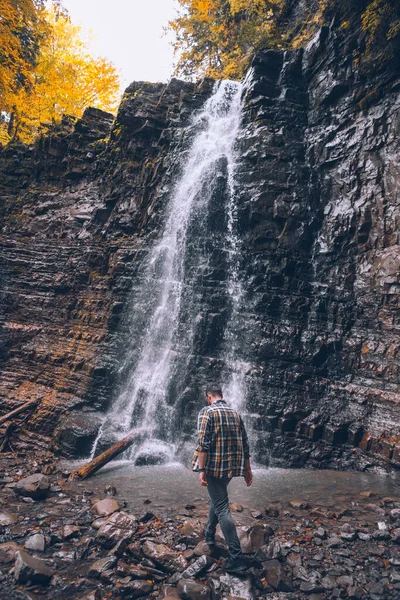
x=130 y=34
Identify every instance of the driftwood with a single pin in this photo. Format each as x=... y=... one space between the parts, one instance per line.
x=18 y=410
x=105 y=457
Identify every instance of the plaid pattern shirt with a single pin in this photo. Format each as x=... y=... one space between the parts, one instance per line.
x=223 y=436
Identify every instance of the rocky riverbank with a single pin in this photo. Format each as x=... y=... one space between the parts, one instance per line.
x=61 y=539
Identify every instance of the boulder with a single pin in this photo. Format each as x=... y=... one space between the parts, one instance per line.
x=77 y=432
x=36 y=542
x=192 y=590
x=199 y=566
x=164 y=556
x=35 y=486
x=8 y=550
x=102 y=565
x=106 y=507
x=118 y=527
x=192 y=530
x=27 y=568
x=252 y=537
x=7 y=518
x=276 y=576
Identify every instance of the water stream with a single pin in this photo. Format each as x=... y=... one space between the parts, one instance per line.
x=176 y=262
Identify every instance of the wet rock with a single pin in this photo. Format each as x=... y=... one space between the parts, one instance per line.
x=192 y=530
x=191 y=590
x=77 y=432
x=199 y=566
x=395 y=535
x=7 y=518
x=93 y=595
x=334 y=542
x=27 y=568
x=110 y=490
x=8 y=551
x=119 y=526
x=368 y=494
x=299 y=504
x=102 y=565
x=203 y=548
x=97 y=523
x=252 y=537
x=311 y=587
x=36 y=543
x=35 y=486
x=137 y=589
x=71 y=531
x=106 y=507
x=276 y=576
x=163 y=555
x=132 y=570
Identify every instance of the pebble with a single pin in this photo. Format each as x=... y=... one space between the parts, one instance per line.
x=36 y=543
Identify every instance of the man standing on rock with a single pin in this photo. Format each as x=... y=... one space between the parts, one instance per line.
x=222 y=453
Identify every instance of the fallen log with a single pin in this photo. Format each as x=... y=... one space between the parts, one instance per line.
x=18 y=410
x=105 y=457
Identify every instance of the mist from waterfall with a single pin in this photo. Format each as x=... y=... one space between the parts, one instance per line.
x=167 y=284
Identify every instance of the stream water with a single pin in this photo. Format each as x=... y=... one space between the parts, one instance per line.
x=172 y=486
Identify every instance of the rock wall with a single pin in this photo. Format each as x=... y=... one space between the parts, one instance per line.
x=319 y=221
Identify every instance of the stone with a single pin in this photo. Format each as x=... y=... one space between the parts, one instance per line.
x=276 y=576
x=138 y=589
x=334 y=542
x=71 y=531
x=192 y=590
x=106 y=507
x=202 y=548
x=299 y=504
x=30 y=569
x=164 y=556
x=36 y=542
x=8 y=550
x=199 y=566
x=119 y=526
x=252 y=537
x=192 y=530
x=7 y=518
x=76 y=433
x=35 y=486
x=102 y=565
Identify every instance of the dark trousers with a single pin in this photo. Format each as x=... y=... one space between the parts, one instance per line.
x=221 y=513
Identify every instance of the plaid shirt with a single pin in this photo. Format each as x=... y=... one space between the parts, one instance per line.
x=223 y=436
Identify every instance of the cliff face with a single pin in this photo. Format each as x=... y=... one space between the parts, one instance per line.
x=318 y=216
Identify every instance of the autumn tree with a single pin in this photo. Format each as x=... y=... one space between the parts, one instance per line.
x=218 y=37
x=21 y=29
x=66 y=79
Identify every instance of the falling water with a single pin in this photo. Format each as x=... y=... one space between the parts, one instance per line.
x=166 y=282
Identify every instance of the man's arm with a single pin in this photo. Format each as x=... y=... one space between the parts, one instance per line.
x=204 y=445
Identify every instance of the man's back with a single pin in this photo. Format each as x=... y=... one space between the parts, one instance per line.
x=223 y=436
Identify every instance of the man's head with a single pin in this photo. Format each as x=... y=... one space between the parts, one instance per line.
x=213 y=393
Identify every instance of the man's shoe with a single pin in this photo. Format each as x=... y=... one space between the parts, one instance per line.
x=234 y=565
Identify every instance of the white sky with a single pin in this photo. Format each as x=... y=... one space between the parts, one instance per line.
x=130 y=34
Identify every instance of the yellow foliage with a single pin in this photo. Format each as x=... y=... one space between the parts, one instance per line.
x=66 y=80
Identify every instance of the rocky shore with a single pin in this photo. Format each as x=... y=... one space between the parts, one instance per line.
x=62 y=539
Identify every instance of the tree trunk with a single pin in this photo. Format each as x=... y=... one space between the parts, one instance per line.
x=18 y=410
x=105 y=457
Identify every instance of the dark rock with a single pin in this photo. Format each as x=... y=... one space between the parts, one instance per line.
x=191 y=590
x=120 y=526
x=77 y=432
x=276 y=576
x=30 y=569
x=199 y=566
x=8 y=551
x=35 y=486
x=102 y=565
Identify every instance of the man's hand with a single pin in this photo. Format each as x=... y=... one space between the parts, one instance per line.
x=202 y=479
x=248 y=476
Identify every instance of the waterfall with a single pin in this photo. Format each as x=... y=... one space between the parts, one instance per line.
x=167 y=285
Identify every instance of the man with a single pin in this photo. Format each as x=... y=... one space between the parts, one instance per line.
x=222 y=453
